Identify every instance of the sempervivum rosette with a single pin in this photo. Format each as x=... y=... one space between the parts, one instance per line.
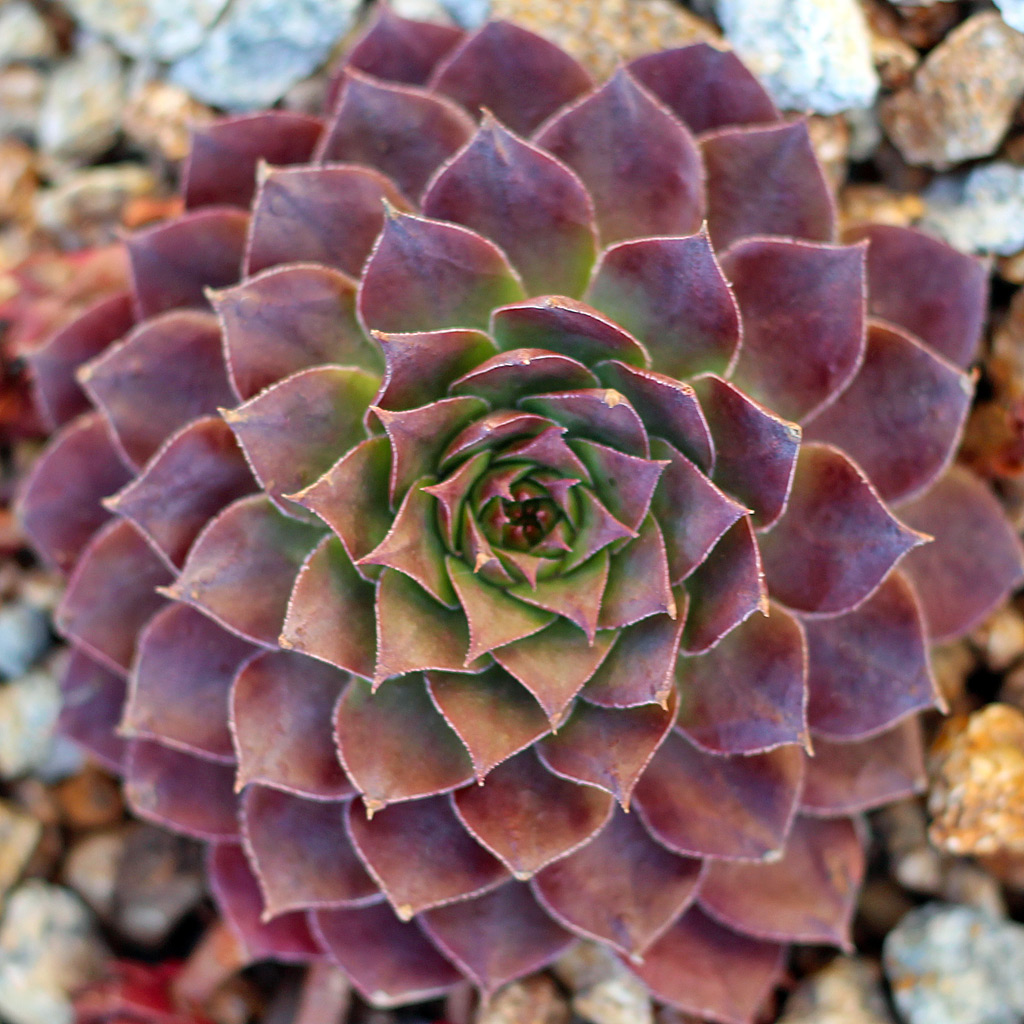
x=461 y=487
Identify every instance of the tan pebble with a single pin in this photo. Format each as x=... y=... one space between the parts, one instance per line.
x=534 y=1000
x=90 y=799
x=878 y=204
x=158 y=117
x=1001 y=638
x=19 y=835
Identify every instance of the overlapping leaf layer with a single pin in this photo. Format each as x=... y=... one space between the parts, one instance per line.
x=513 y=515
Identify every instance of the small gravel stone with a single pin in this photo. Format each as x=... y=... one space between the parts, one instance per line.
x=422 y=10
x=82 y=107
x=19 y=834
x=847 y=991
x=24 y=638
x=90 y=868
x=159 y=117
x=963 y=96
x=162 y=29
x=22 y=90
x=620 y=999
x=810 y=54
x=534 y=1000
x=1001 y=637
x=956 y=965
x=18 y=181
x=28 y=713
x=24 y=34
x=877 y=204
x=1012 y=12
x=260 y=48
x=468 y=13
x=48 y=948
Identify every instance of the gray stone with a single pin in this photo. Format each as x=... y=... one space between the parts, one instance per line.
x=421 y=10
x=956 y=965
x=24 y=34
x=24 y=638
x=163 y=29
x=604 y=990
x=19 y=835
x=982 y=211
x=260 y=48
x=22 y=89
x=1012 y=12
x=468 y=13
x=848 y=991
x=810 y=54
x=48 y=949
x=28 y=714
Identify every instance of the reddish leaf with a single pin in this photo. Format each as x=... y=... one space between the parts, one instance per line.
x=624 y=483
x=92 y=699
x=597 y=414
x=503 y=379
x=638 y=581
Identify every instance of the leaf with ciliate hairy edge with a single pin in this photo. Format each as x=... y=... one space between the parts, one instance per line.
x=497 y=937
x=654 y=185
x=622 y=888
x=576 y=595
x=287 y=938
x=420 y=367
x=608 y=747
x=803 y=311
x=833 y=510
x=493 y=431
x=329 y=215
x=390 y=962
x=766 y=181
x=596 y=414
x=707 y=88
x=60 y=504
x=528 y=817
x=401 y=49
x=165 y=373
x=848 y=778
x=55 y=388
x=293 y=432
x=926 y=287
x=625 y=483
x=184 y=666
x=403 y=132
x=494 y=716
x=670 y=293
x=174 y=263
x=420 y=855
x=452 y=493
x=330 y=611
x=749 y=693
x=92 y=699
x=282 y=706
x=180 y=791
x=489 y=69
x=690 y=510
x=869 y=668
x=289 y=319
x=668 y=408
x=974 y=561
x=699 y=967
x=523 y=199
x=562 y=644
x=596 y=530
x=301 y=854
x=196 y=473
x=395 y=745
x=222 y=161
x=111 y=595
x=241 y=569
x=725 y=589
x=549 y=449
x=807 y=895
x=640 y=668
x=505 y=378
x=638 y=581
x=755 y=450
x=902 y=390
x=427 y=275
x=705 y=805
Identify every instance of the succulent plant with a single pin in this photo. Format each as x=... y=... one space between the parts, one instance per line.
x=487 y=535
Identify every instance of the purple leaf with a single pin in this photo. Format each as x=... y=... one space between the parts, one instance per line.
x=625 y=483
x=638 y=581
x=505 y=378
x=576 y=595
x=598 y=414
x=92 y=700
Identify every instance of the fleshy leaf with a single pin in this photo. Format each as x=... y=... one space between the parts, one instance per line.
x=288 y=319
x=707 y=88
x=180 y=680
x=242 y=566
x=833 y=511
x=699 y=967
x=766 y=181
x=330 y=611
x=321 y=214
x=807 y=895
x=395 y=745
x=528 y=817
x=91 y=701
x=508 y=376
x=902 y=390
x=670 y=294
x=488 y=71
x=167 y=372
x=174 y=263
x=527 y=202
x=738 y=808
x=111 y=594
x=803 y=310
x=974 y=561
x=281 y=710
x=748 y=694
x=301 y=853
x=622 y=888
x=222 y=161
x=597 y=414
x=494 y=716
x=497 y=937
x=638 y=581
x=624 y=482
x=421 y=856
x=869 y=668
x=641 y=166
